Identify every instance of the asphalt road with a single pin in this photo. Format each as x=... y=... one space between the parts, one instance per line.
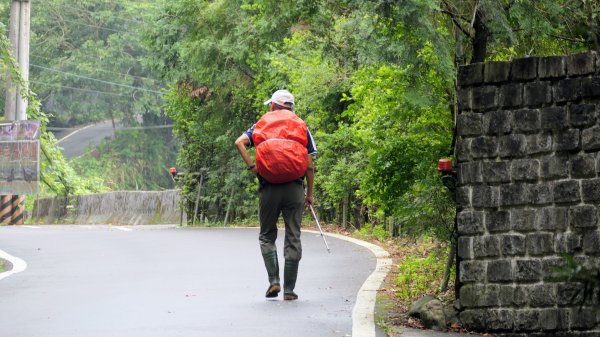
x=104 y=281
x=75 y=143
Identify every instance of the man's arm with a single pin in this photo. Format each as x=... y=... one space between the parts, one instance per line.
x=241 y=143
x=310 y=179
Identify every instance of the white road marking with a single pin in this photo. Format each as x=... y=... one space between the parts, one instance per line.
x=28 y=226
x=363 y=314
x=124 y=229
x=18 y=265
x=74 y=132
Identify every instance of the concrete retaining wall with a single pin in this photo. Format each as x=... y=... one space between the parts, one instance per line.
x=123 y=208
x=528 y=192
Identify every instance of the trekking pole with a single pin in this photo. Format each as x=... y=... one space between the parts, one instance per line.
x=319 y=225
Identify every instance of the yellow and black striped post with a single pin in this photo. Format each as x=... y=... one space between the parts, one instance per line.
x=18 y=210
x=5 y=209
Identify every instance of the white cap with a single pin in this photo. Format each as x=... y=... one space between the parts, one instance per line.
x=282 y=98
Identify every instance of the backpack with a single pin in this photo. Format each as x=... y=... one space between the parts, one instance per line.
x=280 y=138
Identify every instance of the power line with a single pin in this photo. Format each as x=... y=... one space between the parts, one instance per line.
x=79 y=89
x=90 y=12
x=96 y=80
x=102 y=70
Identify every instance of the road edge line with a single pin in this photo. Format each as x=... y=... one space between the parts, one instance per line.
x=363 y=313
x=74 y=132
x=18 y=265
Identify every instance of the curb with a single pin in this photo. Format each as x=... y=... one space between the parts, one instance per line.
x=18 y=265
x=363 y=314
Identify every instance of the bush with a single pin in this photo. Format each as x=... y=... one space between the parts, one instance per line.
x=421 y=271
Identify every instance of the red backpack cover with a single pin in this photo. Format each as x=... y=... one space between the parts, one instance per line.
x=280 y=138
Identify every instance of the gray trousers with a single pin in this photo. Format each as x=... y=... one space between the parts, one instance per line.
x=286 y=199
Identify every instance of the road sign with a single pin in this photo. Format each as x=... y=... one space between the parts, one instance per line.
x=19 y=157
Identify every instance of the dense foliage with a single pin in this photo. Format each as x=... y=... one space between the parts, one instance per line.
x=373 y=79
x=86 y=66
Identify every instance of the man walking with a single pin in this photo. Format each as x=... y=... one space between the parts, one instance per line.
x=284 y=150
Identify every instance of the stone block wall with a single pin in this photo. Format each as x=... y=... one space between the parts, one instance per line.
x=528 y=170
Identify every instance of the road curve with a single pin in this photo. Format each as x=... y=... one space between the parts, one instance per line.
x=100 y=281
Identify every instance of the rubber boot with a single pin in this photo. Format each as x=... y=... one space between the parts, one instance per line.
x=290 y=273
x=272 y=265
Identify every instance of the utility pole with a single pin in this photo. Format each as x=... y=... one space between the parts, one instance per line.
x=19 y=34
x=15 y=108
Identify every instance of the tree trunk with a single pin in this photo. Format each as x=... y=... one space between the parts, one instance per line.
x=228 y=207
x=449 y=264
x=345 y=212
x=482 y=35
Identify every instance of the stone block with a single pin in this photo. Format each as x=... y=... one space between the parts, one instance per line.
x=506 y=295
x=497 y=221
x=537 y=93
x=469 y=173
x=465 y=247
x=541 y=194
x=463 y=197
x=552 y=67
x=521 y=296
x=484 y=98
x=539 y=143
x=511 y=95
x=512 y=146
x=553 y=118
x=484 y=147
x=464 y=99
x=513 y=245
x=463 y=150
x=583 y=115
x=549 y=319
x=583 y=166
x=523 y=220
x=567 y=140
x=486 y=246
x=470 y=74
x=526 y=120
x=540 y=244
x=496 y=172
x=471 y=295
x=470 y=222
x=580 y=64
x=542 y=295
x=590 y=87
x=567 y=90
x=553 y=219
x=549 y=267
x=585 y=216
x=514 y=195
x=469 y=124
x=497 y=122
x=591 y=242
x=569 y=293
x=567 y=243
x=499 y=271
x=500 y=319
x=474 y=319
x=590 y=138
x=583 y=318
x=590 y=190
x=528 y=270
x=554 y=167
x=566 y=191
x=495 y=72
x=527 y=320
x=524 y=68
x=472 y=271
x=525 y=169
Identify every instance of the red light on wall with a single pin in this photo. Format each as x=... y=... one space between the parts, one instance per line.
x=445 y=165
